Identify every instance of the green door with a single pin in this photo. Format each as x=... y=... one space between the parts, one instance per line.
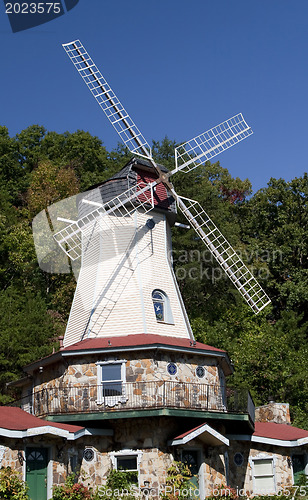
x=36 y=472
x=192 y=459
x=299 y=464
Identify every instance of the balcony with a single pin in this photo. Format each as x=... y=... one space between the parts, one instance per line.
x=118 y=396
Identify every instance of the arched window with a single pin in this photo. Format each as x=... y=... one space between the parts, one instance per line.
x=162 y=308
x=159 y=305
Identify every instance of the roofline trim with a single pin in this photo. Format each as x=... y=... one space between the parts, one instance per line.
x=165 y=347
x=200 y=430
x=272 y=441
x=55 y=431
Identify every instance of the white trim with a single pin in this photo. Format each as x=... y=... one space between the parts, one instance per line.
x=134 y=453
x=141 y=347
x=167 y=314
x=111 y=400
x=55 y=431
x=197 y=432
x=272 y=441
x=50 y=475
x=175 y=283
x=263 y=456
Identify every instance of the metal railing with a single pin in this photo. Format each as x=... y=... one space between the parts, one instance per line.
x=118 y=396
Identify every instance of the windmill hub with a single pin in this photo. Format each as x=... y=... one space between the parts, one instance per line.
x=163 y=177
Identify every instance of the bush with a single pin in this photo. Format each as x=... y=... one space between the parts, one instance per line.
x=71 y=490
x=178 y=478
x=11 y=486
x=120 y=483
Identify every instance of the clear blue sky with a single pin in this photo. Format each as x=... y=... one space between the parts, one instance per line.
x=179 y=67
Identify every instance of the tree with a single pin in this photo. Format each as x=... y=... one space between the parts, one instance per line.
x=25 y=331
x=274 y=224
x=82 y=152
x=269 y=357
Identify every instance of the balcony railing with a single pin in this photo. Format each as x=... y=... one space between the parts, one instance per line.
x=118 y=396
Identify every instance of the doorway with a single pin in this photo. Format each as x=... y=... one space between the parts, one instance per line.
x=192 y=458
x=36 y=472
x=299 y=466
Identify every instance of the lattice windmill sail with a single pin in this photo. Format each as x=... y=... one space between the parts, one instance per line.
x=187 y=157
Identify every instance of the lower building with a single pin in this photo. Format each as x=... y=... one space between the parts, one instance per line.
x=139 y=403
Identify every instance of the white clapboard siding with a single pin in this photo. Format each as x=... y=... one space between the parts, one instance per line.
x=118 y=274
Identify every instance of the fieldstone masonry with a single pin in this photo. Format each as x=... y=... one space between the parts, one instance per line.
x=274 y=412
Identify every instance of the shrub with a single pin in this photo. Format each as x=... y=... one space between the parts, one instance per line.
x=120 y=483
x=11 y=486
x=71 y=490
x=178 y=478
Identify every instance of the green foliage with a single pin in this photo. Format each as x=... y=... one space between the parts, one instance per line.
x=72 y=490
x=302 y=481
x=268 y=230
x=226 y=492
x=178 y=480
x=269 y=357
x=275 y=223
x=26 y=330
x=119 y=483
x=11 y=485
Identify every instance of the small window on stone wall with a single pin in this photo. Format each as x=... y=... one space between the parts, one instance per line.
x=238 y=459
x=89 y=454
x=200 y=371
x=172 y=369
x=128 y=460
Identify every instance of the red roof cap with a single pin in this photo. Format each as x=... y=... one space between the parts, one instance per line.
x=138 y=341
x=181 y=436
x=283 y=432
x=16 y=419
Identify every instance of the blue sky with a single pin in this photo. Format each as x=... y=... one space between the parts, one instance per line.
x=179 y=67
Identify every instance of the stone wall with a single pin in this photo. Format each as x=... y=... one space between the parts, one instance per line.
x=149 y=438
x=140 y=367
x=145 y=436
x=9 y=454
x=242 y=476
x=273 y=412
x=72 y=387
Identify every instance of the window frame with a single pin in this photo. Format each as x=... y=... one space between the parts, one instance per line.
x=114 y=455
x=176 y=369
x=111 y=400
x=253 y=460
x=167 y=313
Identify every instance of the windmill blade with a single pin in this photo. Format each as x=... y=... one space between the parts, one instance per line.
x=73 y=238
x=195 y=152
x=107 y=100
x=225 y=255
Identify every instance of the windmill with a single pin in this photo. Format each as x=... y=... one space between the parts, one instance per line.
x=77 y=238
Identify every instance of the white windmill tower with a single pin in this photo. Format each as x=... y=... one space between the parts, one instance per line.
x=126 y=284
